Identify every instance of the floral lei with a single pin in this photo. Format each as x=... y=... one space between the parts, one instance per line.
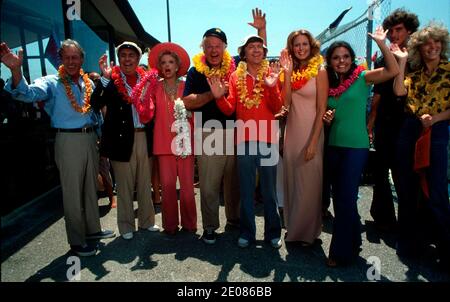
x=182 y=128
x=300 y=77
x=226 y=68
x=258 y=89
x=66 y=80
x=116 y=75
x=338 y=91
x=143 y=89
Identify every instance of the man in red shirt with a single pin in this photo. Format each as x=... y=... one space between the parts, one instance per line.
x=255 y=98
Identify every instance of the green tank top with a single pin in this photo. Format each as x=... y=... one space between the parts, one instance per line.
x=348 y=128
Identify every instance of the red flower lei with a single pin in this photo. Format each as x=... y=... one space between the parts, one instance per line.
x=120 y=85
x=336 y=92
x=152 y=78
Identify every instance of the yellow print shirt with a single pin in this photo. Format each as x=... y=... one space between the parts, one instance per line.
x=429 y=95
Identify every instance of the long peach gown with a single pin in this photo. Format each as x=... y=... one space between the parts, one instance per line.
x=303 y=180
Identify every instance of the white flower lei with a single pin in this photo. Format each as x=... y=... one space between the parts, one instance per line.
x=182 y=128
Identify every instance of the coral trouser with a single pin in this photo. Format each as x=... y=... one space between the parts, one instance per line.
x=171 y=166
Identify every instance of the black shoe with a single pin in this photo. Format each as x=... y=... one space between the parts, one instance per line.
x=209 y=237
x=101 y=235
x=83 y=251
x=235 y=223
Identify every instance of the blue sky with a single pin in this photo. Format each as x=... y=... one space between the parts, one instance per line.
x=191 y=18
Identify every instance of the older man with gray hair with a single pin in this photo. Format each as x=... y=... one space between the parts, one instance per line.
x=67 y=102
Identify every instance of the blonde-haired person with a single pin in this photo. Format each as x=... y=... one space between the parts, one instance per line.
x=172 y=139
x=305 y=86
x=424 y=131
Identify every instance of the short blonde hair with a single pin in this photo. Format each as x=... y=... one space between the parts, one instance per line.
x=435 y=31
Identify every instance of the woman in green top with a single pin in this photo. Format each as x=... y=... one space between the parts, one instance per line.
x=349 y=141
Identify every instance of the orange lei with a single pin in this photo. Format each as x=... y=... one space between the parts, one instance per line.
x=120 y=85
x=66 y=80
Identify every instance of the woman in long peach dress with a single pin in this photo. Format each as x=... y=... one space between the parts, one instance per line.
x=305 y=87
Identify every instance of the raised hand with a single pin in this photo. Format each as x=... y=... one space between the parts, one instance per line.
x=11 y=60
x=286 y=61
x=218 y=87
x=380 y=35
x=400 y=54
x=272 y=78
x=103 y=63
x=259 y=19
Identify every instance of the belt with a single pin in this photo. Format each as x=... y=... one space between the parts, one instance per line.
x=76 y=130
x=139 y=129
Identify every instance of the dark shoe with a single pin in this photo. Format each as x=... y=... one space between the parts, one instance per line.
x=83 y=251
x=235 y=223
x=183 y=229
x=209 y=237
x=101 y=235
x=171 y=232
x=332 y=263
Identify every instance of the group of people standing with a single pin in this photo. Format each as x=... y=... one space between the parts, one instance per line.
x=149 y=113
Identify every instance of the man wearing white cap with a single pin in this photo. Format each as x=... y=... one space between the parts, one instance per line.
x=255 y=99
x=125 y=140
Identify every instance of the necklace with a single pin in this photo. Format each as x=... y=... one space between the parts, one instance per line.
x=65 y=80
x=171 y=91
x=338 y=91
x=301 y=76
x=226 y=67
x=258 y=88
x=117 y=76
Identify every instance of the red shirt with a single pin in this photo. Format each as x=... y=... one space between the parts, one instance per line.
x=256 y=123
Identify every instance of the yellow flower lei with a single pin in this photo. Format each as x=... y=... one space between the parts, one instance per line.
x=226 y=68
x=65 y=80
x=300 y=77
x=258 y=89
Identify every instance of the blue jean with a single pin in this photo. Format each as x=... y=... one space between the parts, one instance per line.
x=247 y=166
x=346 y=166
x=409 y=190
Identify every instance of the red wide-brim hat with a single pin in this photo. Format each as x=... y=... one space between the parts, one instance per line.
x=172 y=47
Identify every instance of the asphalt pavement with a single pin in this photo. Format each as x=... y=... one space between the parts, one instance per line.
x=34 y=248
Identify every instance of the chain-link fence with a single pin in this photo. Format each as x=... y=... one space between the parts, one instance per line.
x=355 y=32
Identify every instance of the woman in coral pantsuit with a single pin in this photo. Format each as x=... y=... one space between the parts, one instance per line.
x=158 y=97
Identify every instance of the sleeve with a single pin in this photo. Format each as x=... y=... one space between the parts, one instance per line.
x=188 y=86
x=100 y=96
x=227 y=104
x=378 y=88
x=275 y=101
x=38 y=91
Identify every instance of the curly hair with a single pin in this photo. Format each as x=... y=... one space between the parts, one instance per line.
x=400 y=15
x=314 y=44
x=437 y=32
x=333 y=78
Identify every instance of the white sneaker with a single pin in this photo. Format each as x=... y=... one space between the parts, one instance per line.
x=243 y=243
x=153 y=228
x=127 y=236
x=275 y=243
